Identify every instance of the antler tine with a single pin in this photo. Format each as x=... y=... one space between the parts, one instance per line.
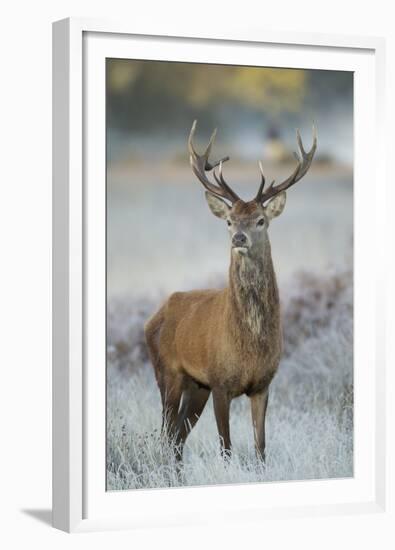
x=300 y=142
x=303 y=164
x=190 y=139
x=307 y=157
x=210 y=143
x=200 y=165
x=258 y=197
x=222 y=183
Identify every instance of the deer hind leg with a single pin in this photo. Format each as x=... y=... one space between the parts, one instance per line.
x=171 y=385
x=194 y=399
x=258 y=411
x=221 y=401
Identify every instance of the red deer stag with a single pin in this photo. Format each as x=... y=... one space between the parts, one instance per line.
x=228 y=341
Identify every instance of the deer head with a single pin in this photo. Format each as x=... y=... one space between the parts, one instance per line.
x=247 y=221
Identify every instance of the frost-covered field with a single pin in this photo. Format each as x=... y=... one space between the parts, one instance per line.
x=309 y=421
x=161 y=238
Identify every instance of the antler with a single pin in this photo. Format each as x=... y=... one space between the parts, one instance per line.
x=303 y=164
x=200 y=165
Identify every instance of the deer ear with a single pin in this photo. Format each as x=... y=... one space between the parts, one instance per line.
x=276 y=205
x=217 y=206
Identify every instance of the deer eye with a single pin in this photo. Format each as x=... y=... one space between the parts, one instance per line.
x=229 y=222
x=261 y=222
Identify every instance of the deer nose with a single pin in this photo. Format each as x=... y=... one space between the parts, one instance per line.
x=239 y=239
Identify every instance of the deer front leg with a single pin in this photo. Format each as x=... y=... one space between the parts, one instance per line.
x=258 y=410
x=221 y=408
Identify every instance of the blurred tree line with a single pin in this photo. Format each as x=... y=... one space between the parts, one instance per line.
x=153 y=95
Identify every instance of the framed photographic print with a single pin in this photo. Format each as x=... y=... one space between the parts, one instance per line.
x=215 y=280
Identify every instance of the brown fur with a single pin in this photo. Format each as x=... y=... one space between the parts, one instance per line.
x=225 y=341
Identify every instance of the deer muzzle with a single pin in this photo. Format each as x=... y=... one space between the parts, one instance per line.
x=240 y=241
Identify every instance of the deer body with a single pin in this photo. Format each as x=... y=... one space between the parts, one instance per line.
x=247 y=311
x=228 y=341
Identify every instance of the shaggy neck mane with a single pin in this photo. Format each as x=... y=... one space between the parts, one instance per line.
x=253 y=293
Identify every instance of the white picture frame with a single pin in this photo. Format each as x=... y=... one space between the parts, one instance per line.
x=80 y=501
